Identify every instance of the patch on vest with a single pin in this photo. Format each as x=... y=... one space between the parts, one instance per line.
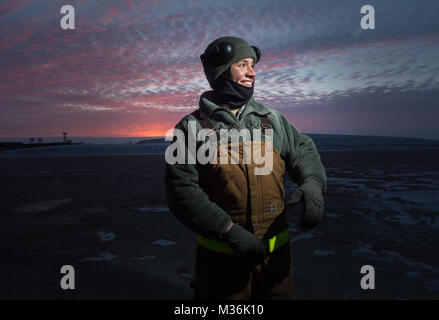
x=273 y=207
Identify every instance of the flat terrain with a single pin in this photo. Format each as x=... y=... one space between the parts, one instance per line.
x=107 y=217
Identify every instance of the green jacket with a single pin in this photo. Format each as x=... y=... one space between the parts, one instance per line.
x=190 y=204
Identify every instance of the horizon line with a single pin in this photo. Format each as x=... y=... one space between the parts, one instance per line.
x=119 y=137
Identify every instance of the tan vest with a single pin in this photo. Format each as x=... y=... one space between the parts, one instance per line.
x=255 y=202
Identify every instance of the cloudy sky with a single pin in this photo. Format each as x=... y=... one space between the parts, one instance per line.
x=132 y=68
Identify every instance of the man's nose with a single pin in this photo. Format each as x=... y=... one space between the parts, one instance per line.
x=251 y=72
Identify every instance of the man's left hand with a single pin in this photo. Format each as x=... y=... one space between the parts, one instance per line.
x=311 y=193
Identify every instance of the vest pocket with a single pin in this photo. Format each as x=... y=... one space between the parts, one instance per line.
x=273 y=192
x=228 y=190
x=228 y=180
x=234 y=191
x=272 y=197
x=279 y=182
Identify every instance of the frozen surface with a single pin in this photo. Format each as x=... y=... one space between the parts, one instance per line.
x=164 y=243
x=103 y=256
x=106 y=236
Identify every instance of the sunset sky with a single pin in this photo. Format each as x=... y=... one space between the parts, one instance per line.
x=132 y=68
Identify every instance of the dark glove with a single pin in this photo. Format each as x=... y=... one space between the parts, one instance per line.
x=310 y=195
x=245 y=243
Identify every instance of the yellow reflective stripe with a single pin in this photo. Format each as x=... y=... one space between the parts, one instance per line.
x=221 y=246
x=215 y=245
x=278 y=240
x=271 y=244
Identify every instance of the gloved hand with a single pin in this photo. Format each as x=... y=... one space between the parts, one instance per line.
x=310 y=194
x=245 y=243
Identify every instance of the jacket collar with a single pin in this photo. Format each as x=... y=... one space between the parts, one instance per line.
x=207 y=106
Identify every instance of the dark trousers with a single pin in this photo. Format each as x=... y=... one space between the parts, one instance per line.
x=230 y=277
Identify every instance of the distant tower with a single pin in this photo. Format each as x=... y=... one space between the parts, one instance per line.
x=64 y=136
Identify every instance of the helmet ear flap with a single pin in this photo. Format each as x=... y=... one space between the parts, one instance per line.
x=258 y=53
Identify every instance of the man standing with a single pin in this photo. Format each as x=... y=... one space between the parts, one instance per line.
x=238 y=214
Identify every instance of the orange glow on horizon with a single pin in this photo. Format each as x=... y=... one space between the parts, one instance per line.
x=153 y=132
x=148 y=133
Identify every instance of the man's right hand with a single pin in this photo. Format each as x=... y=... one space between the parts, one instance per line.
x=245 y=243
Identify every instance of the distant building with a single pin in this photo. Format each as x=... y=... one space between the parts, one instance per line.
x=31 y=140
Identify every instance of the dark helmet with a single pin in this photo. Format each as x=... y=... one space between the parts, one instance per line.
x=223 y=52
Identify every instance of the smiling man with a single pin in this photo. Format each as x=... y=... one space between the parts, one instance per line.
x=243 y=243
x=243 y=73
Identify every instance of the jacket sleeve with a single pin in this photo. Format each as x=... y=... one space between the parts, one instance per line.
x=302 y=159
x=188 y=202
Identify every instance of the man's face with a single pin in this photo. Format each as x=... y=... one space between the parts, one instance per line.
x=243 y=73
